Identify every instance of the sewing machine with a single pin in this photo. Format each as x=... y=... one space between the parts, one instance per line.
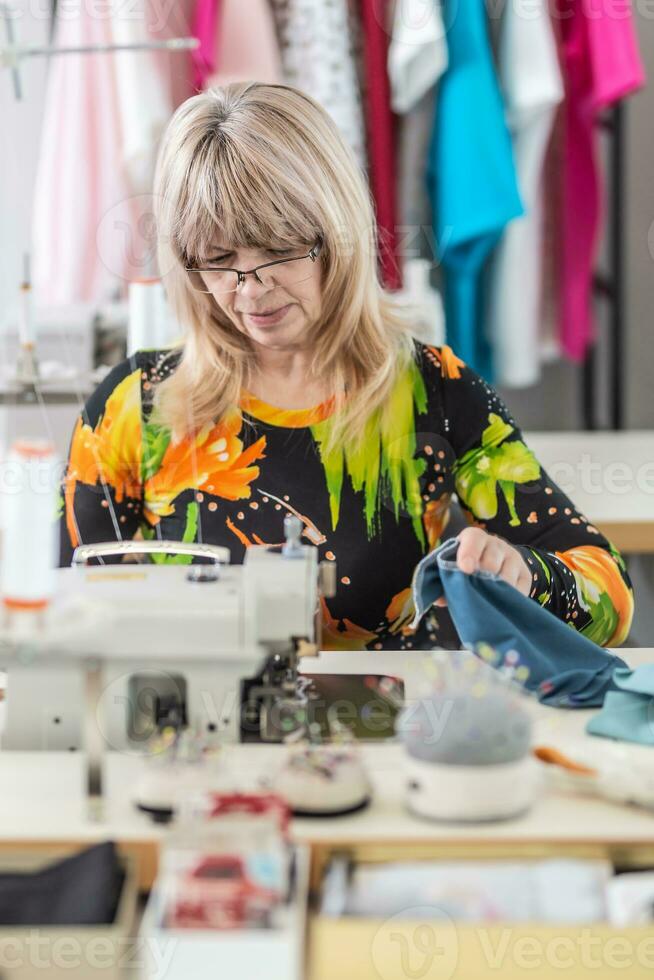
x=125 y=649
x=183 y=634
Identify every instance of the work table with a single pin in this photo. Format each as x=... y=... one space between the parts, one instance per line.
x=43 y=808
x=43 y=799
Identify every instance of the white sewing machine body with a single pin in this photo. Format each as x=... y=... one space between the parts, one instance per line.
x=199 y=628
x=115 y=637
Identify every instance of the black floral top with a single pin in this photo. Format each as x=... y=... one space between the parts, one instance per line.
x=375 y=513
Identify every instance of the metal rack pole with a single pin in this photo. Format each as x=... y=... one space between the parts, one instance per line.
x=617 y=255
x=610 y=288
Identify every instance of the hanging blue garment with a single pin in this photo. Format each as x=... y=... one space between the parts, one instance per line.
x=471 y=176
x=565 y=668
x=628 y=713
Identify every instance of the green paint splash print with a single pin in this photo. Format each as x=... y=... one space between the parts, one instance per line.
x=188 y=537
x=384 y=466
x=496 y=464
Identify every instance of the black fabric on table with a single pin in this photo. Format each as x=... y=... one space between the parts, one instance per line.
x=80 y=890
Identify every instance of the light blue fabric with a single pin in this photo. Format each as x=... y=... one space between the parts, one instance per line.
x=628 y=714
x=565 y=668
x=471 y=176
x=640 y=680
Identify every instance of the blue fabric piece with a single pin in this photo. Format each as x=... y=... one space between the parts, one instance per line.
x=565 y=668
x=628 y=714
x=471 y=176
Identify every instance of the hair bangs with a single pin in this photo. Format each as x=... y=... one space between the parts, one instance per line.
x=239 y=202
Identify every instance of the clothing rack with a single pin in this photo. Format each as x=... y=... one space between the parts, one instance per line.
x=610 y=288
x=607 y=287
x=12 y=54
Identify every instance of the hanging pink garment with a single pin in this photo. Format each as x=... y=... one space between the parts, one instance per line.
x=76 y=179
x=103 y=116
x=380 y=128
x=601 y=65
x=205 y=27
x=246 y=46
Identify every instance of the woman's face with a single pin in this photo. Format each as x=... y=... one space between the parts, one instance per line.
x=278 y=312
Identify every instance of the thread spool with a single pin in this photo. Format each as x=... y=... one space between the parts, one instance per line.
x=29 y=534
x=150 y=325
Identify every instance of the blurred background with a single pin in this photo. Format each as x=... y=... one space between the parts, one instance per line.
x=509 y=150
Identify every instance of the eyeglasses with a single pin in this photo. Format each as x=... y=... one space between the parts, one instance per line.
x=280 y=272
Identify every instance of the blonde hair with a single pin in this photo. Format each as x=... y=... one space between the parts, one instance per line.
x=265 y=165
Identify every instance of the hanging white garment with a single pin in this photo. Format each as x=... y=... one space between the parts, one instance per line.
x=414 y=207
x=144 y=104
x=417 y=54
x=103 y=116
x=532 y=86
x=417 y=57
x=316 y=47
x=422 y=303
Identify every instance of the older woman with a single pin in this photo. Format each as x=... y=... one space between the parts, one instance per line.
x=299 y=389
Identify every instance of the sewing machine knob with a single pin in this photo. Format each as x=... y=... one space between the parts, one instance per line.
x=327 y=580
x=202 y=573
x=292 y=531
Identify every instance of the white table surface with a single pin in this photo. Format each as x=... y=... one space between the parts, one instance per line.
x=609 y=476
x=42 y=796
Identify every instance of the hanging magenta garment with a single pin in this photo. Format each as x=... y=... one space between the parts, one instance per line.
x=205 y=23
x=601 y=65
x=380 y=127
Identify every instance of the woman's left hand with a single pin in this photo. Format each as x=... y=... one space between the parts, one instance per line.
x=479 y=550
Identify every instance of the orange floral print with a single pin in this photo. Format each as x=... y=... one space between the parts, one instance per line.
x=110 y=453
x=450 y=364
x=400 y=611
x=352 y=637
x=602 y=580
x=214 y=460
x=435 y=518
